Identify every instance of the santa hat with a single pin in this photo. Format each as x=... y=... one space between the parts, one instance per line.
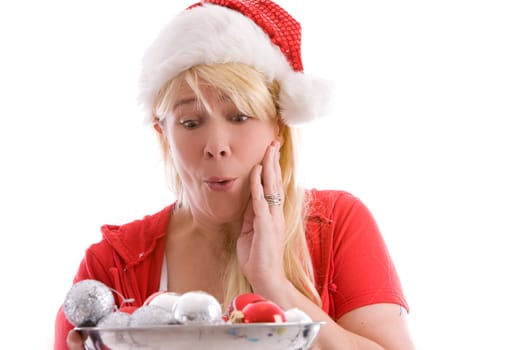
x=255 y=32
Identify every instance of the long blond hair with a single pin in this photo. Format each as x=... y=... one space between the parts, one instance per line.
x=255 y=95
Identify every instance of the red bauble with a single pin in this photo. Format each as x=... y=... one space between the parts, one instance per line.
x=241 y=300
x=263 y=311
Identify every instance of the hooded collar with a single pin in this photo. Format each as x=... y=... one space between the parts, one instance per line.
x=136 y=240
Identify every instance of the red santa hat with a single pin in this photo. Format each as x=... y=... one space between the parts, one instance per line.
x=255 y=32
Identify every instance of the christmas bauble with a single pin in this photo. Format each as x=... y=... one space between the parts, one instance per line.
x=150 y=315
x=263 y=311
x=296 y=315
x=241 y=300
x=197 y=307
x=117 y=319
x=87 y=302
x=163 y=299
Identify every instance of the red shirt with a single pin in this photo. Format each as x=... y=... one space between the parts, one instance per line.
x=351 y=262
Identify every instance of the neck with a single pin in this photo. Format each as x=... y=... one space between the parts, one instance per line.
x=199 y=226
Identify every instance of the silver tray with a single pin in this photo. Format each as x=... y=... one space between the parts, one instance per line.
x=251 y=336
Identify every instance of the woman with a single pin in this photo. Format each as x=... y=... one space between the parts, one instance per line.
x=223 y=86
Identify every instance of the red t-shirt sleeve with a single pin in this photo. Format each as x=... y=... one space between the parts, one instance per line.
x=363 y=271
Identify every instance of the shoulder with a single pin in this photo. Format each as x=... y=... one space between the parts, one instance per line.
x=149 y=225
x=327 y=203
x=133 y=240
x=338 y=216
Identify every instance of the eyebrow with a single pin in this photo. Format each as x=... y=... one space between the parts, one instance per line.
x=193 y=100
x=184 y=101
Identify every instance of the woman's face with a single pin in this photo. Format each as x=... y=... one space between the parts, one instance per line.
x=214 y=152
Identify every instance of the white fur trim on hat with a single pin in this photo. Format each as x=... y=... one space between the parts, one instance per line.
x=211 y=34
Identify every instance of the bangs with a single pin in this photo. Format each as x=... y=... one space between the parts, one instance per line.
x=249 y=90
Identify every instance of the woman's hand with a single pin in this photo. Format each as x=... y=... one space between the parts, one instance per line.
x=260 y=247
x=75 y=340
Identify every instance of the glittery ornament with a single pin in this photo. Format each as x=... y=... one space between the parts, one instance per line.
x=117 y=319
x=113 y=330
x=87 y=302
x=197 y=307
x=150 y=315
x=163 y=299
x=296 y=315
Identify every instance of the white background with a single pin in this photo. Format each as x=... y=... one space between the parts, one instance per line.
x=427 y=129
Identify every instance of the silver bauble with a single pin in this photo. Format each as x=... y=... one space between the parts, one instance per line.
x=113 y=330
x=166 y=300
x=117 y=319
x=87 y=302
x=297 y=315
x=197 y=307
x=150 y=315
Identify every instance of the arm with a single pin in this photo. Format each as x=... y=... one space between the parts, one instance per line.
x=368 y=294
x=385 y=324
x=365 y=293
x=371 y=327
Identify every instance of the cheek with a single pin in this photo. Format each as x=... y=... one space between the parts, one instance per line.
x=182 y=150
x=256 y=143
x=185 y=153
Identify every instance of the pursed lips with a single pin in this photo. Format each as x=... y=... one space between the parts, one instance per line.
x=220 y=183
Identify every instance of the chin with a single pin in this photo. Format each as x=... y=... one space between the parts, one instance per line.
x=227 y=211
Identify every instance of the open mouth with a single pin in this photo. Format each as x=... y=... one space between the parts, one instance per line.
x=217 y=184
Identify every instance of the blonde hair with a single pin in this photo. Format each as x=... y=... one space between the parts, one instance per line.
x=255 y=95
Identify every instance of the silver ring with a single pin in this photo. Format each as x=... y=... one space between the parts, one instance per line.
x=274 y=198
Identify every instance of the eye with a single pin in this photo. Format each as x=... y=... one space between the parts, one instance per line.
x=189 y=123
x=239 y=118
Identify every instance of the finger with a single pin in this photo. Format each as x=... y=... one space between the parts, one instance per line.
x=269 y=171
x=260 y=206
x=247 y=224
x=278 y=210
x=75 y=340
x=273 y=181
x=277 y=168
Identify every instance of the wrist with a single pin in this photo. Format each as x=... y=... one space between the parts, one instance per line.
x=280 y=292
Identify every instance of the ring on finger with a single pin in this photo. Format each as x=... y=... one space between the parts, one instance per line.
x=274 y=198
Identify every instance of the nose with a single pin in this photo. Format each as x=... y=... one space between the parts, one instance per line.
x=219 y=152
x=218 y=144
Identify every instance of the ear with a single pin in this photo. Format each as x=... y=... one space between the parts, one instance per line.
x=280 y=138
x=157 y=127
